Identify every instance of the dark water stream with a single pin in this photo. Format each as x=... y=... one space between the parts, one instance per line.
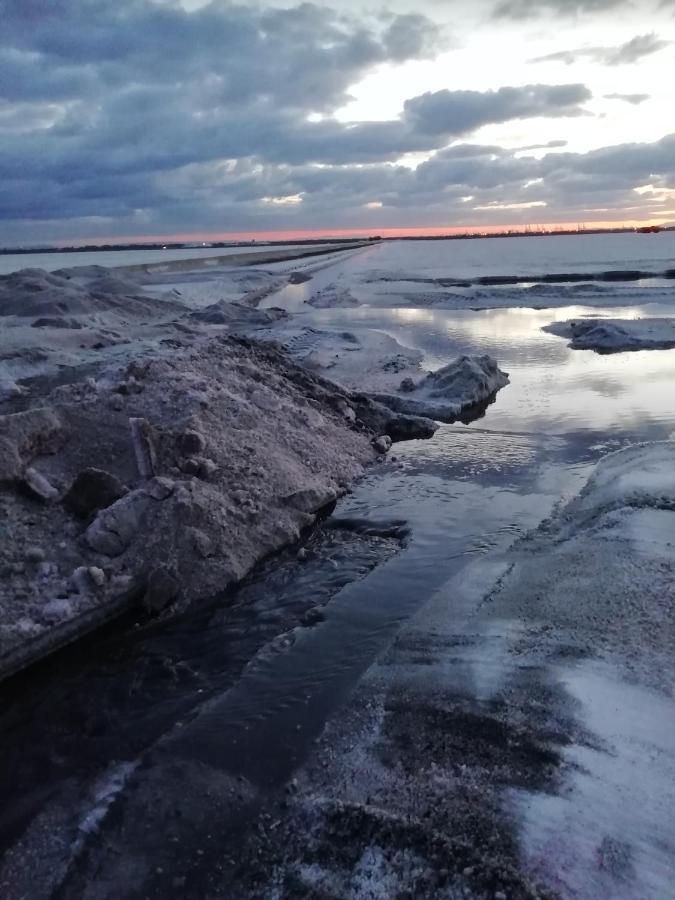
x=246 y=684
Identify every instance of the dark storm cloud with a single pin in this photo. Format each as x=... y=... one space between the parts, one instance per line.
x=637 y=48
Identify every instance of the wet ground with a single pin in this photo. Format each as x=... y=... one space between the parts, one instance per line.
x=161 y=761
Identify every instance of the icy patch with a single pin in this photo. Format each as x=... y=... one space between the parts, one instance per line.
x=104 y=793
x=448 y=392
x=333 y=297
x=616 y=335
x=366 y=360
x=639 y=476
x=610 y=832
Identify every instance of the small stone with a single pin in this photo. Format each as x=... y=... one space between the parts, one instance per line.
x=45 y=570
x=81 y=581
x=347 y=412
x=201 y=542
x=161 y=590
x=302 y=554
x=382 y=444
x=407 y=386
x=56 y=610
x=18 y=568
x=121 y=584
x=35 y=554
x=190 y=466
x=38 y=486
x=191 y=443
x=92 y=490
x=115 y=527
x=313 y=616
x=142 y=439
x=207 y=468
x=10 y=461
x=97 y=575
x=116 y=402
x=160 y=487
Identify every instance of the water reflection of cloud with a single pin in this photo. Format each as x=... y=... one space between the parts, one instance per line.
x=606 y=386
x=553 y=389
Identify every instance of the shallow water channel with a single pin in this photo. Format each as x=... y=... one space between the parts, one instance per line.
x=248 y=683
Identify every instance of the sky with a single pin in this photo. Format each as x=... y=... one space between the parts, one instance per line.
x=124 y=119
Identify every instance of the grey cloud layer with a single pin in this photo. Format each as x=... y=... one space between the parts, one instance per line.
x=138 y=115
x=631 y=52
x=522 y=9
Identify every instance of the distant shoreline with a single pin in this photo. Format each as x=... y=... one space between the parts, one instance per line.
x=220 y=245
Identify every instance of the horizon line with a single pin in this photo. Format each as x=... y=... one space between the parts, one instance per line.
x=353 y=232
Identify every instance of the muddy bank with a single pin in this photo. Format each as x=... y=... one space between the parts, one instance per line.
x=152 y=452
x=165 y=480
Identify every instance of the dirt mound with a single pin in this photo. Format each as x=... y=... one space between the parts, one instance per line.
x=36 y=293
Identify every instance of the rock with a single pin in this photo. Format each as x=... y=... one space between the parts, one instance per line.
x=407 y=386
x=55 y=322
x=130 y=386
x=92 y=490
x=160 y=487
x=45 y=570
x=97 y=575
x=190 y=466
x=34 y=554
x=313 y=616
x=81 y=580
x=201 y=542
x=32 y=432
x=347 y=412
x=142 y=439
x=382 y=444
x=38 y=487
x=10 y=461
x=114 y=528
x=191 y=443
x=207 y=468
x=266 y=400
x=310 y=500
x=121 y=584
x=161 y=590
x=56 y=610
x=302 y=554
